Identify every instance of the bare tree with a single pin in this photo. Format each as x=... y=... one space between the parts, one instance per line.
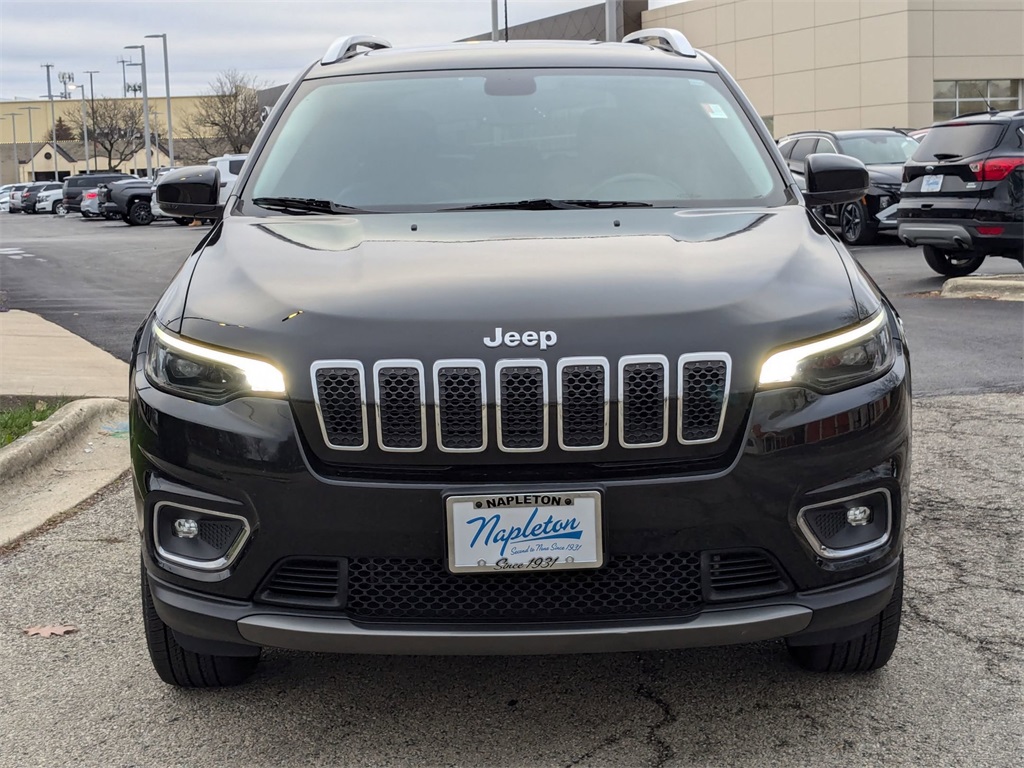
x=227 y=117
x=115 y=128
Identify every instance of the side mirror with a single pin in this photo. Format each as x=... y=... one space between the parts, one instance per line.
x=832 y=179
x=190 y=193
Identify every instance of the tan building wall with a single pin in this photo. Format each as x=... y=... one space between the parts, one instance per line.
x=181 y=106
x=842 y=64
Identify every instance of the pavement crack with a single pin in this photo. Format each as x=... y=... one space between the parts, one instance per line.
x=645 y=690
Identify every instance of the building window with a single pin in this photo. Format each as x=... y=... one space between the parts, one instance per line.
x=958 y=97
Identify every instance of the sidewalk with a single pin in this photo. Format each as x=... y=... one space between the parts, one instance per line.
x=77 y=451
x=29 y=348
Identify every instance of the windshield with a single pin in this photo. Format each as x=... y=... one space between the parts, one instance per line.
x=880 y=149
x=430 y=141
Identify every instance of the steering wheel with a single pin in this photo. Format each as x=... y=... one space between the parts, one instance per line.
x=645 y=181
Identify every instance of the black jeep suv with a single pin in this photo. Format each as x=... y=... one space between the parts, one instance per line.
x=518 y=348
x=963 y=192
x=883 y=151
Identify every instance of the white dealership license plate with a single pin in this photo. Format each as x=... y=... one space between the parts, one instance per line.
x=524 y=532
x=931 y=183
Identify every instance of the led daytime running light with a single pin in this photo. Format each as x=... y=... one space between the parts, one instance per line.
x=784 y=366
x=260 y=376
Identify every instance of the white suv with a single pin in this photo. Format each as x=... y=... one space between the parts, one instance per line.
x=229 y=166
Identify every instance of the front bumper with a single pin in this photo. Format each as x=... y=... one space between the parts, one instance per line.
x=806 y=615
x=246 y=458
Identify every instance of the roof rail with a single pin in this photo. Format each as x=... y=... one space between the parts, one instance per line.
x=671 y=40
x=346 y=47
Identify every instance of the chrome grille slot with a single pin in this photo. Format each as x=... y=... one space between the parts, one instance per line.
x=521 y=399
x=401 y=425
x=460 y=396
x=643 y=404
x=703 y=393
x=583 y=403
x=341 y=403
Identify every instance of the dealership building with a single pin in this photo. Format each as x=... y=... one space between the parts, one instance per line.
x=840 y=64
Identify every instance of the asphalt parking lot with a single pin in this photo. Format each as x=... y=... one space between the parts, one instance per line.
x=952 y=694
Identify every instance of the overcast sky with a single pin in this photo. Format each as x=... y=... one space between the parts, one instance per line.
x=271 y=39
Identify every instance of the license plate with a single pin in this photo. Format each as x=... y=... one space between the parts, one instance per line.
x=523 y=532
x=931 y=183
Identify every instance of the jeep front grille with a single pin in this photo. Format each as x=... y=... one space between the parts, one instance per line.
x=581 y=388
x=461 y=399
x=522 y=402
x=401 y=422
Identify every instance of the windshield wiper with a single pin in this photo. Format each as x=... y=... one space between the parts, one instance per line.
x=549 y=204
x=945 y=156
x=303 y=205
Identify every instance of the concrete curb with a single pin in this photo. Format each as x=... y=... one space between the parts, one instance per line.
x=62 y=427
x=1000 y=287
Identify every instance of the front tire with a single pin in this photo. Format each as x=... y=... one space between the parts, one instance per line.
x=855 y=224
x=139 y=215
x=952 y=264
x=181 y=667
x=863 y=653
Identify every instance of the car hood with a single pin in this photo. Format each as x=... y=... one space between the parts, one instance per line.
x=433 y=286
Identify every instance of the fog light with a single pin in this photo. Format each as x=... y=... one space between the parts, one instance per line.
x=854 y=515
x=186 y=528
x=849 y=526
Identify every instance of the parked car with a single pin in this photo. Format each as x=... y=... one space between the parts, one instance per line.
x=5 y=197
x=74 y=186
x=229 y=166
x=51 y=200
x=28 y=198
x=128 y=199
x=16 y=194
x=883 y=151
x=963 y=197
x=526 y=347
x=90 y=204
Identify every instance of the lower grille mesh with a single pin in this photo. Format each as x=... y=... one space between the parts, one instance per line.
x=627 y=586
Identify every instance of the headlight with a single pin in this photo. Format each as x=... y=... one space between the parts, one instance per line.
x=836 y=362
x=202 y=373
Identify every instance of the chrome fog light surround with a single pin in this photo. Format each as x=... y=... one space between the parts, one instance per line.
x=215 y=564
x=853 y=517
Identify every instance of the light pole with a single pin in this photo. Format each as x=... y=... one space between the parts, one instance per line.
x=85 y=127
x=124 y=77
x=53 y=120
x=14 y=129
x=92 y=110
x=31 y=141
x=167 y=94
x=145 y=106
